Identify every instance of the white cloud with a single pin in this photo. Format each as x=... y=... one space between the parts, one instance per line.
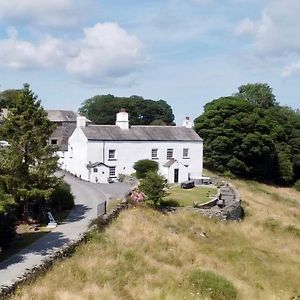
x=106 y=52
x=53 y=13
x=19 y=54
x=292 y=69
x=276 y=33
x=246 y=26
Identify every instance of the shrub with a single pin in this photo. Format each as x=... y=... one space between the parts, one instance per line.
x=136 y=197
x=297 y=185
x=211 y=284
x=143 y=166
x=7 y=228
x=62 y=198
x=170 y=203
x=154 y=187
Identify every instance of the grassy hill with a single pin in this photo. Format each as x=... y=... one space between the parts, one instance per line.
x=147 y=255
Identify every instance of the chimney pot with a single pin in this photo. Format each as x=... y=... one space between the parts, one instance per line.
x=122 y=119
x=81 y=121
x=187 y=123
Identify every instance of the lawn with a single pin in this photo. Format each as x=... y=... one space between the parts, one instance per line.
x=187 y=197
x=145 y=254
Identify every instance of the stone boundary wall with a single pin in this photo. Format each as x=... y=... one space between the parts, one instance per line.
x=65 y=251
x=232 y=211
x=211 y=203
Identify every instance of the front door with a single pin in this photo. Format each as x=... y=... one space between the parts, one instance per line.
x=176 y=175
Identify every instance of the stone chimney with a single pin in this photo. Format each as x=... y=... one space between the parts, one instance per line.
x=122 y=119
x=187 y=123
x=81 y=121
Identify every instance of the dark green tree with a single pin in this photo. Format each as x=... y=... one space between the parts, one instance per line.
x=154 y=186
x=143 y=166
x=28 y=163
x=249 y=140
x=102 y=110
x=8 y=98
x=259 y=93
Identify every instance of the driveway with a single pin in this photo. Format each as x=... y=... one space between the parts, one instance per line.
x=87 y=197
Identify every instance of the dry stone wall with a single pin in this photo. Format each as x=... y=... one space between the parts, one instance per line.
x=232 y=208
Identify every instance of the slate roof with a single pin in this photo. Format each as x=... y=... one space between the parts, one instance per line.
x=62 y=115
x=170 y=162
x=140 y=133
x=96 y=164
x=62 y=133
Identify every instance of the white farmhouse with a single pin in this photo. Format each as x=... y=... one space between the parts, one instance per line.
x=98 y=153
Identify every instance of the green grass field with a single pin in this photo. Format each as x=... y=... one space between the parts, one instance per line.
x=187 y=197
x=145 y=254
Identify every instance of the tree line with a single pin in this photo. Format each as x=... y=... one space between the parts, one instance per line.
x=102 y=109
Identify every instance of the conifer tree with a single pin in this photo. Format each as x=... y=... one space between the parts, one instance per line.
x=27 y=165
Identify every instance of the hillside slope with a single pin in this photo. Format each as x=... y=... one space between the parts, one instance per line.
x=148 y=255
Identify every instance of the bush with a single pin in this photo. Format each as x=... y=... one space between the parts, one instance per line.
x=136 y=197
x=170 y=203
x=61 y=198
x=154 y=187
x=143 y=166
x=297 y=185
x=7 y=228
x=211 y=284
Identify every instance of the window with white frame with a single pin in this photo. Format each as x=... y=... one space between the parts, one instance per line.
x=185 y=153
x=169 y=153
x=95 y=170
x=112 y=171
x=71 y=152
x=112 y=154
x=154 y=153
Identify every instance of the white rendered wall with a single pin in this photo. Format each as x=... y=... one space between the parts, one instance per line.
x=100 y=176
x=128 y=152
x=183 y=172
x=76 y=158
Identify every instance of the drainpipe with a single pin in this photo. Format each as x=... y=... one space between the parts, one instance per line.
x=103 y=152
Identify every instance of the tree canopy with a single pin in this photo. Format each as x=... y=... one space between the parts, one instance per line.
x=259 y=93
x=28 y=163
x=251 y=137
x=102 y=109
x=143 y=166
x=8 y=98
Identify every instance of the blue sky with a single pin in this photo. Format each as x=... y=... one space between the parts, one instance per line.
x=187 y=52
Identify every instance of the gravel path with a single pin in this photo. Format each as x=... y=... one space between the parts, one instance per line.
x=87 y=197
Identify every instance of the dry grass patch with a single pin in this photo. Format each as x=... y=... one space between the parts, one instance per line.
x=147 y=255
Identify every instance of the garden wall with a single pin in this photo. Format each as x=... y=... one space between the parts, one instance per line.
x=231 y=211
